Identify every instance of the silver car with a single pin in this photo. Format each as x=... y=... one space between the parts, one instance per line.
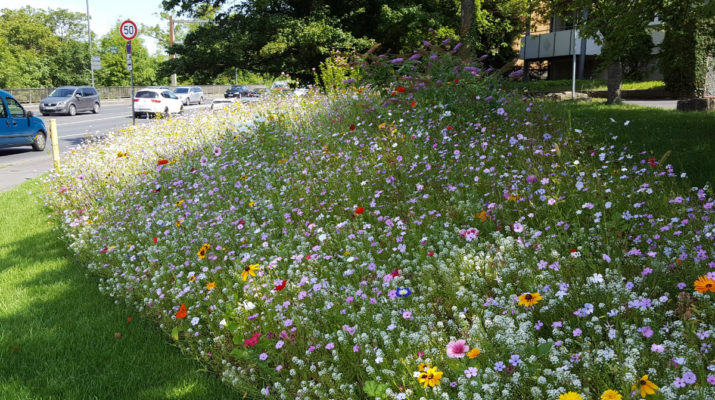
x=189 y=94
x=70 y=100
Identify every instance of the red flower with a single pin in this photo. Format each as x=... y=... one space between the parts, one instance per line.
x=359 y=210
x=280 y=287
x=352 y=127
x=414 y=103
x=652 y=162
x=64 y=189
x=129 y=319
x=449 y=127
x=456 y=80
x=395 y=273
x=162 y=162
x=401 y=89
x=253 y=340
x=430 y=254
x=156 y=239
x=182 y=312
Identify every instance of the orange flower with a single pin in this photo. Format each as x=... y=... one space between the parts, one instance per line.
x=705 y=284
x=182 y=312
x=482 y=216
x=474 y=352
x=210 y=285
x=359 y=210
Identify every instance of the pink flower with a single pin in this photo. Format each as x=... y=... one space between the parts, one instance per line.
x=457 y=349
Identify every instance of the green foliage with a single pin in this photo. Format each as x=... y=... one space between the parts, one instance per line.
x=114 y=72
x=497 y=24
x=374 y=389
x=690 y=37
x=337 y=72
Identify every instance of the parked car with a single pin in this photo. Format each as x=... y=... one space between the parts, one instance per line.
x=151 y=102
x=19 y=127
x=239 y=91
x=219 y=102
x=70 y=100
x=280 y=86
x=189 y=94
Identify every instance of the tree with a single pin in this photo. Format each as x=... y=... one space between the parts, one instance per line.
x=114 y=72
x=614 y=24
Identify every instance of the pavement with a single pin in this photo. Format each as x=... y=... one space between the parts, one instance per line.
x=666 y=104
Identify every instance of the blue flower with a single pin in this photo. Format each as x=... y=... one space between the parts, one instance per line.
x=403 y=292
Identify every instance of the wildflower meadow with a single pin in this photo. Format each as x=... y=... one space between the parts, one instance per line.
x=420 y=233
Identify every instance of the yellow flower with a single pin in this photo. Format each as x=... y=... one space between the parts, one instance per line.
x=611 y=395
x=210 y=285
x=482 y=216
x=423 y=367
x=430 y=377
x=249 y=270
x=251 y=203
x=474 y=352
x=570 y=396
x=705 y=284
x=647 y=387
x=529 y=299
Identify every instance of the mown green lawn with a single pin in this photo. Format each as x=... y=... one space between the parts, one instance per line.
x=545 y=86
x=689 y=136
x=61 y=339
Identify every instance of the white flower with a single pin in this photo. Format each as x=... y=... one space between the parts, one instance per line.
x=195 y=321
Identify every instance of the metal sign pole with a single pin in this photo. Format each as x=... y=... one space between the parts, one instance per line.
x=131 y=77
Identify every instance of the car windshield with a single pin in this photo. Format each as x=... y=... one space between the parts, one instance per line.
x=146 y=95
x=62 y=92
x=181 y=90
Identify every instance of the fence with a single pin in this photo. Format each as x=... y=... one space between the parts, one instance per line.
x=34 y=95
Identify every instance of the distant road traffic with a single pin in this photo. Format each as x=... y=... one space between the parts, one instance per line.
x=18 y=164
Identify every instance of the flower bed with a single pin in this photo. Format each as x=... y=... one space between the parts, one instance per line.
x=443 y=240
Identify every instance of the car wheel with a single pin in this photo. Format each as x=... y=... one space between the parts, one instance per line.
x=181 y=110
x=39 y=141
x=201 y=100
x=186 y=101
x=96 y=108
x=166 y=113
x=72 y=111
x=45 y=114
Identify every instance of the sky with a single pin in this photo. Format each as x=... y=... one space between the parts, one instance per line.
x=104 y=13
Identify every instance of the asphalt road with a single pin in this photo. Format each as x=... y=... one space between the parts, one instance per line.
x=18 y=164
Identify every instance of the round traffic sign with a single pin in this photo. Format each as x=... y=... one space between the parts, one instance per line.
x=128 y=29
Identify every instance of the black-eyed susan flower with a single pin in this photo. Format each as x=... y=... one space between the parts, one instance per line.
x=430 y=377
x=570 y=396
x=529 y=299
x=646 y=387
x=249 y=270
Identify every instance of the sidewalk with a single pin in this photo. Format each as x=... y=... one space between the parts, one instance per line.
x=666 y=104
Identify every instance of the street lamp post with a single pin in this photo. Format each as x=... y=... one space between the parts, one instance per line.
x=89 y=34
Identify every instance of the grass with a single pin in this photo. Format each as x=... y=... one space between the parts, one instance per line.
x=689 y=137
x=581 y=85
x=57 y=336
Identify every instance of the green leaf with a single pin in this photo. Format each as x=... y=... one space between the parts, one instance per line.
x=239 y=353
x=374 y=389
x=236 y=340
x=175 y=333
x=544 y=349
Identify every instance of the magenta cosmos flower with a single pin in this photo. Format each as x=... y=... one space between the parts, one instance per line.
x=457 y=349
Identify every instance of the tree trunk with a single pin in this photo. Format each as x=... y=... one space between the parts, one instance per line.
x=467 y=10
x=615 y=76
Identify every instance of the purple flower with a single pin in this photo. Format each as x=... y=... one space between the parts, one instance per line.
x=356 y=348
x=515 y=360
x=577 y=332
x=396 y=60
x=407 y=315
x=531 y=178
x=606 y=258
x=499 y=366
x=689 y=378
x=679 y=383
x=471 y=372
x=263 y=356
x=711 y=379
x=646 y=331
x=518 y=228
x=330 y=346
x=657 y=348
x=517 y=73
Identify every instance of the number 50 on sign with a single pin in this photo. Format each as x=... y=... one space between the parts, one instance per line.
x=128 y=29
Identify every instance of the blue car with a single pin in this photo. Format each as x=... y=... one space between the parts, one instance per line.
x=18 y=127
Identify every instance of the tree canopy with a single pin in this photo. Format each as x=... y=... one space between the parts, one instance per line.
x=294 y=36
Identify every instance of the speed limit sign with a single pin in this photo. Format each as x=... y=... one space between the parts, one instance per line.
x=128 y=29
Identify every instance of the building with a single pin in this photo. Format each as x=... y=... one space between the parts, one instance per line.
x=549 y=45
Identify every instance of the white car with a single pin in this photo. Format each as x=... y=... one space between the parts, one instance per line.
x=189 y=94
x=150 y=102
